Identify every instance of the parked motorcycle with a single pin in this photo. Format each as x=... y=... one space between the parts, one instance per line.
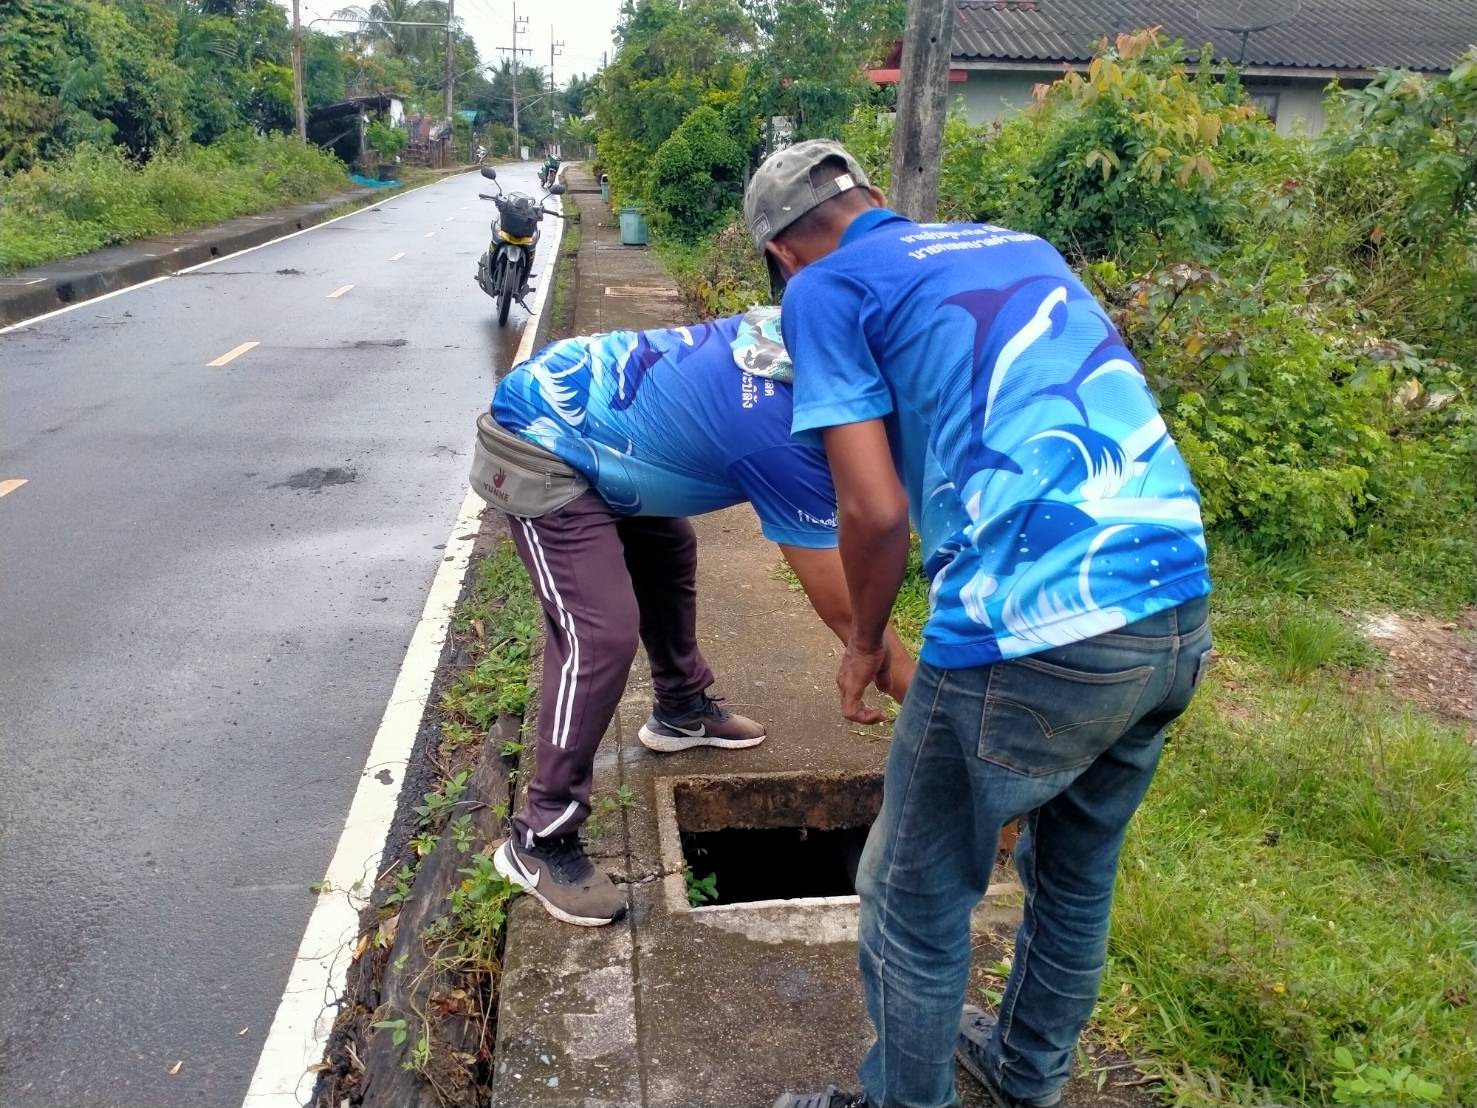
x=503 y=271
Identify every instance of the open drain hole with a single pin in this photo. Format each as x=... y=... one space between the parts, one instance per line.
x=765 y=837
x=768 y=837
x=775 y=863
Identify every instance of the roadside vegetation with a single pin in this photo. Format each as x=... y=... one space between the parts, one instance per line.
x=125 y=118
x=96 y=196
x=1294 y=921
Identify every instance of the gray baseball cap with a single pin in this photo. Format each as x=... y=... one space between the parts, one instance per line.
x=780 y=192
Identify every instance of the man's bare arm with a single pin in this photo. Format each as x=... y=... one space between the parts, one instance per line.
x=872 y=510
x=824 y=580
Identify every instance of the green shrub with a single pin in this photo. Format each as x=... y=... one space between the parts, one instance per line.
x=697 y=177
x=1286 y=407
x=720 y=275
x=96 y=196
x=1127 y=161
x=386 y=140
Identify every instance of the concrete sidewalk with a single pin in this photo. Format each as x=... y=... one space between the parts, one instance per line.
x=726 y=1004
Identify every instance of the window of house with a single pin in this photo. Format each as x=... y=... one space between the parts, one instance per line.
x=1266 y=103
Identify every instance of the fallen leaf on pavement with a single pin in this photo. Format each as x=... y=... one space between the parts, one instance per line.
x=174 y=1069
x=243 y=1031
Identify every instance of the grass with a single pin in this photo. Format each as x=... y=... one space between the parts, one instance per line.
x=1294 y=921
x=502 y=617
x=95 y=197
x=561 y=297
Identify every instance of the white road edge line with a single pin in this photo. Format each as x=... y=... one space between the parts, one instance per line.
x=336 y=293
x=213 y=261
x=396 y=257
x=306 y=1014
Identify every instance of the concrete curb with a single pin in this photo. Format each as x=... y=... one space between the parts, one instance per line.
x=32 y=292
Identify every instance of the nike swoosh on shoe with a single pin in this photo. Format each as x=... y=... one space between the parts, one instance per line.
x=531 y=878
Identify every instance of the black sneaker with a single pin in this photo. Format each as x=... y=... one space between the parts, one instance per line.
x=831 y=1097
x=565 y=881
x=976 y=1028
x=700 y=722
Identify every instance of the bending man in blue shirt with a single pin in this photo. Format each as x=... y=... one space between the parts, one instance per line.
x=960 y=376
x=597 y=448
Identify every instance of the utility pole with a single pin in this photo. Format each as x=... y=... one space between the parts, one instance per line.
x=297 y=73
x=450 y=54
x=555 y=48
x=520 y=26
x=922 y=105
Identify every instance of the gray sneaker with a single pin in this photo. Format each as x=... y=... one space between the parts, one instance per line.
x=703 y=721
x=976 y=1028
x=563 y=879
x=830 y=1097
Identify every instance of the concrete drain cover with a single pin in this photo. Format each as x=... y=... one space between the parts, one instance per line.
x=643 y=292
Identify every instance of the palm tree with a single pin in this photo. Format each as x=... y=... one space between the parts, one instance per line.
x=383 y=25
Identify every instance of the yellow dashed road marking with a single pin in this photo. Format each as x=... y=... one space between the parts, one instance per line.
x=397 y=257
x=336 y=293
x=7 y=487
x=430 y=233
x=231 y=355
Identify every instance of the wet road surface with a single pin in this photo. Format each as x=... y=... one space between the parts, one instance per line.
x=236 y=484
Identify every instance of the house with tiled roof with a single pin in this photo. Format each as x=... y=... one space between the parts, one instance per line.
x=1286 y=50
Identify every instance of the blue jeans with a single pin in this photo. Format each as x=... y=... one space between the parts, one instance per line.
x=1066 y=740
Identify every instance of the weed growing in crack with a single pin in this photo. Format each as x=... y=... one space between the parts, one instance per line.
x=461 y=833
x=443 y=800
x=700 y=890
x=401 y=892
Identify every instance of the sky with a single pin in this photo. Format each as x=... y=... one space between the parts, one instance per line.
x=583 y=25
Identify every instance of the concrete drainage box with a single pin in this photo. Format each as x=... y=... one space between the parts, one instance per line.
x=773 y=841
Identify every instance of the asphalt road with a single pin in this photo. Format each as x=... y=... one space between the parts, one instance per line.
x=207 y=584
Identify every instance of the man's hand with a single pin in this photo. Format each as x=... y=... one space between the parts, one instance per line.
x=860 y=668
x=897 y=675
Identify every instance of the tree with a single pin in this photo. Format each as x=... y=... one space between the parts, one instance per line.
x=325 y=74
x=579 y=95
x=697 y=176
x=813 y=55
x=494 y=98
x=671 y=58
x=384 y=27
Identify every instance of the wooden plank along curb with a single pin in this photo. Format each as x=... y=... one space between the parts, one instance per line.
x=421 y=983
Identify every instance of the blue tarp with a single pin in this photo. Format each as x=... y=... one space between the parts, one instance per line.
x=371 y=183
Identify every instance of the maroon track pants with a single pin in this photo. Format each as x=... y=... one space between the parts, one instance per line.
x=602 y=578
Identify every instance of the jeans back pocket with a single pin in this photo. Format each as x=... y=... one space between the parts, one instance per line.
x=1041 y=718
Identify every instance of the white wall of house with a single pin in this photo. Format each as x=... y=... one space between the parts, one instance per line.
x=991 y=93
x=1299 y=103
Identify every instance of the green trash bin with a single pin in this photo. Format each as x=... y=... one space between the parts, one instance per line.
x=605 y=188
x=633 y=227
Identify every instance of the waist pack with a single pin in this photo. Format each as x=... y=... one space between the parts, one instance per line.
x=519 y=477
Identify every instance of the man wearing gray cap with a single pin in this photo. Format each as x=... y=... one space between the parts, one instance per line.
x=962 y=379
